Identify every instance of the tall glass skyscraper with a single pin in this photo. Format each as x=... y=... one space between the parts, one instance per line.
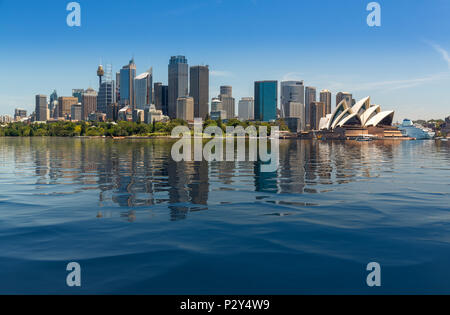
x=292 y=94
x=199 y=90
x=178 y=82
x=266 y=95
x=143 y=90
x=127 y=76
x=162 y=98
x=106 y=96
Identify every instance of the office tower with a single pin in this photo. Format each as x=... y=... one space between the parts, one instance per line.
x=118 y=87
x=143 y=90
x=53 y=103
x=296 y=111
x=178 y=82
x=127 y=76
x=53 y=96
x=199 y=90
x=19 y=114
x=65 y=106
x=317 y=111
x=325 y=97
x=246 y=109
x=344 y=96
x=228 y=101
x=89 y=103
x=216 y=104
x=291 y=91
x=266 y=95
x=226 y=90
x=112 y=112
x=78 y=93
x=161 y=98
x=185 y=108
x=76 y=112
x=41 y=108
x=106 y=96
x=310 y=96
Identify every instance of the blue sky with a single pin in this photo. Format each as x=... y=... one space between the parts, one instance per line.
x=403 y=65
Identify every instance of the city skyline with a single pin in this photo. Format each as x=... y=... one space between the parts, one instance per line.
x=394 y=64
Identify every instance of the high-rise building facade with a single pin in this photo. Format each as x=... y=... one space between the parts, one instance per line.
x=161 y=98
x=41 y=108
x=127 y=76
x=106 y=96
x=291 y=91
x=65 y=106
x=112 y=112
x=310 y=97
x=185 y=108
x=78 y=93
x=76 y=112
x=228 y=101
x=89 y=103
x=246 y=109
x=19 y=113
x=143 y=90
x=317 y=111
x=178 y=82
x=199 y=90
x=266 y=96
x=348 y=97
x=325 y=97
x=226 y=90
x=296 y=110
x=216 y=105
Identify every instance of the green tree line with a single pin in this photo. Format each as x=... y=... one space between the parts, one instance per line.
x=109 y=129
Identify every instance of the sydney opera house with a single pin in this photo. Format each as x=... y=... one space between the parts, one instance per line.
x=363 y=118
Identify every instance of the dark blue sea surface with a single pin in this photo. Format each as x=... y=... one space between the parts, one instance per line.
x=138 y=222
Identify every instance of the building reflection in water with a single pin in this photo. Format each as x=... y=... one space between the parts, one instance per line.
x=141 y=173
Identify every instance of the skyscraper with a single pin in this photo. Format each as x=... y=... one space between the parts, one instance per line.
x=143 y=89
x=19 y=113
x=78 y=93
x=266 y=95
x=89 y=103
x=65 y=106
x=41 y=108
x=310 y=96
x=106 y=96
x=228 y=101
x=226 y=90
x=247 y=109
x=199 y=90
x=344 y=96
x=317 y=111
x=292 y=96
x=325 y=97
x=178 y=82
x=161 y=98
x=76 y=112
x=127 y=76
x=185 y=108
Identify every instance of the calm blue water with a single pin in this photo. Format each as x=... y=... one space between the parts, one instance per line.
x=138 y=222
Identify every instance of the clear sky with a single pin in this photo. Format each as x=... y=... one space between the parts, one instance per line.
x=404 y=65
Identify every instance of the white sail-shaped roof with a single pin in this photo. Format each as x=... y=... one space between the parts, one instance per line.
x=344 y=121
x=340 y=108
x=368 y=114
x=361 y=106
x=380 y=117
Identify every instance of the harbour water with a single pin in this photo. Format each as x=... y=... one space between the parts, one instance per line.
x=138 y=222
